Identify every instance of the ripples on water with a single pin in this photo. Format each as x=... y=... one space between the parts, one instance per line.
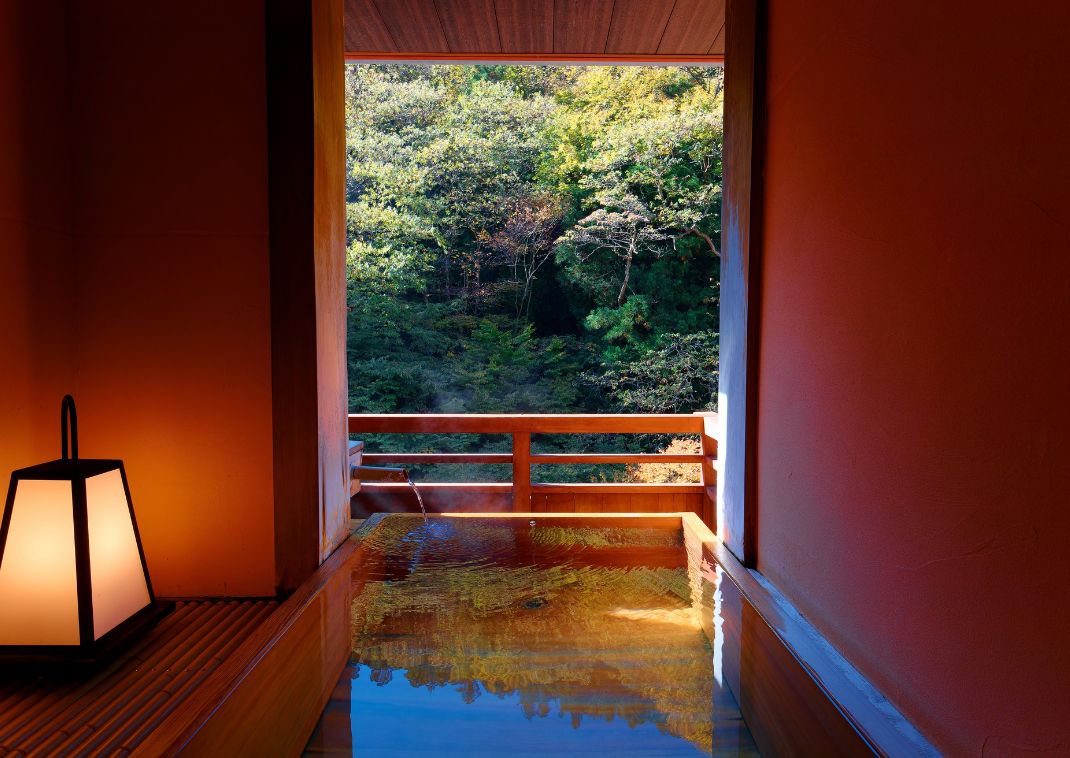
x=603 y=628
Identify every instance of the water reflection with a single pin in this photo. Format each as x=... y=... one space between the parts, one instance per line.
x=495 y=637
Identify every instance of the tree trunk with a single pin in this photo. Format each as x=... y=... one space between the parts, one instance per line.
x=627 y=273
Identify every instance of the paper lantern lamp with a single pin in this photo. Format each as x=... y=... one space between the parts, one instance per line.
x=73 y=580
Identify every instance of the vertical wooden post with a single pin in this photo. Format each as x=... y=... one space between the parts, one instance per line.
x=708 y=468
x=306 y=227
x=744 y=152
x=521 y=471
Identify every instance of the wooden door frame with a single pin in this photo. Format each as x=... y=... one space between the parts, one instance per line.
x=743 y=164
x=743 y=160
x=306 y=227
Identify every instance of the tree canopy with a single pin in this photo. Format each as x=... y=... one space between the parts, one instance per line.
x=533 y=238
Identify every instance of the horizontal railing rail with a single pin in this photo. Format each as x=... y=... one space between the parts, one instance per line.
x=521 y=426
x=532 y=423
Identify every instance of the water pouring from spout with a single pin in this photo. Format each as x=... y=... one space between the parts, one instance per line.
x=419 y=498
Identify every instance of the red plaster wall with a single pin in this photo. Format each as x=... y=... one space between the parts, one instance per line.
x=34 y=234
x=172 y=354
x=914 y=483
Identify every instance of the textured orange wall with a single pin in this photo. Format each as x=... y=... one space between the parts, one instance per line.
x=34 y=235
x=914 y=485
x=172 y=351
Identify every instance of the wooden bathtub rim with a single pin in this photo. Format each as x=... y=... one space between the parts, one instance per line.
x=876 y=720
x=179 y=729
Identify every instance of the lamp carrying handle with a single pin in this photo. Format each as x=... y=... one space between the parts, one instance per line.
x=68 y=415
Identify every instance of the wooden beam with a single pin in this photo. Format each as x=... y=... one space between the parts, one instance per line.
x=744 y=156
x=593 y=458
x=431 y=423
x=622 y=488
x=420 y=459
x=306 y=222
x=381 y=56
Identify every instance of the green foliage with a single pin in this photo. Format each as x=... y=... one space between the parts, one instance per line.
x=532 y=239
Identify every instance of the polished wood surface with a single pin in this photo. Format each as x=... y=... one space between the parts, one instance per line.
x=744 y=152
x=306 y=197
x=633 y=24
x=469 y=25
x=575 y=500
x=457 y=498
x=694 y=27
x=329 y=235
x=819 y=681
x=535 y=29
x=413 y=24
x=118 y=709
x=582 y=26
x=365 y=28
x=265 y=697
x=524 y=26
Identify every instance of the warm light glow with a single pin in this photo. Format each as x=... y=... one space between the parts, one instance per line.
x=38 y=582
x=118 y=579
x=688 y=617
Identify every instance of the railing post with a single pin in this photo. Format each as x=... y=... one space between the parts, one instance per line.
x=521 y=471
x=708 y=468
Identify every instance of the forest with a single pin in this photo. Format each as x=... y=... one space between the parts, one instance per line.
x=532 y=239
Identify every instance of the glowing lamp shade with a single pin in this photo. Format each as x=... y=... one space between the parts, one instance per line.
x=73 y=578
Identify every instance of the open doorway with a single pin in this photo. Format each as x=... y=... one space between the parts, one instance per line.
x=535 y=239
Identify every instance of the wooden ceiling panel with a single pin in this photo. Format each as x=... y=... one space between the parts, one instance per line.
x=693 y=27
x=413 y=25
x=470 y=26
x=717 y=48
x=364 y=28
x=680 y=31
x=525 y=26
x=582 y=26
x=637 y=26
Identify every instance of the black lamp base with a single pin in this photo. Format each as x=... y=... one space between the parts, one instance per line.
x=79 y=658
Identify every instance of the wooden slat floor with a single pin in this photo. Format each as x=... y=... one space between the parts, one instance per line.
x=112 y=711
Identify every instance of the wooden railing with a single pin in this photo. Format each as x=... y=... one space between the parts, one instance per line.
x=521 y=493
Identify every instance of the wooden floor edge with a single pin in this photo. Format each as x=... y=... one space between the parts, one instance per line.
x=887 y=731
x=180 y=727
